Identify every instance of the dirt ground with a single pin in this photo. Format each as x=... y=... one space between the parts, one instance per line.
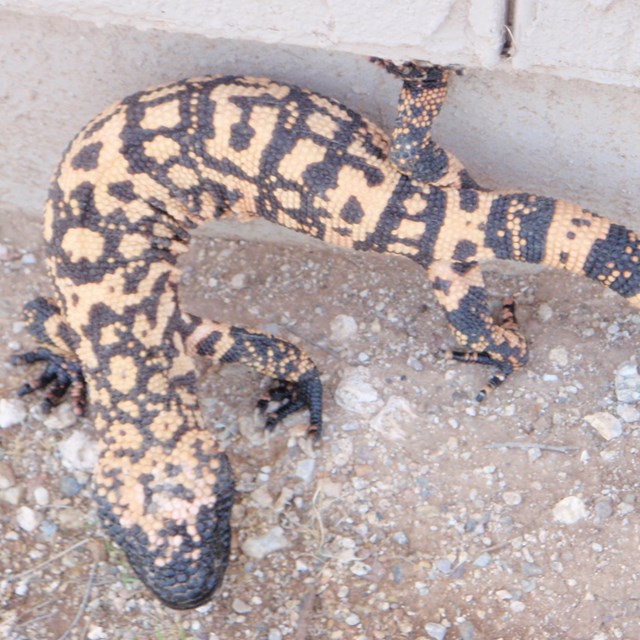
x=421 y=514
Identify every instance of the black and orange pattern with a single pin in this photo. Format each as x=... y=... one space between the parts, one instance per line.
x=148 y=170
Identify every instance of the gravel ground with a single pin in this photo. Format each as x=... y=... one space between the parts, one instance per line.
x=420 y=514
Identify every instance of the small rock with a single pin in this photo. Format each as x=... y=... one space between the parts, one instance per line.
x=27 y=519
x=97 y=633
x=534 y=454
x=569 y=510
x=343 y=328
x=624 y=509
x=415 y=364
x=28 y=258
x=41 y=496
x=559 y=357
x=482 y=560
x=356 y=394
x=7 y=477
x=352 y=620
x=79 y=452
x=435 y=630
x=606 y=424
x=396 y=414
x=48 y=528
x=400 y=538
x=61 y=417
x=274 y=634
x=628 y=413
x=71 y=518
x=259 y=546
x=443 y=565
x=69 y=486
x=239 y=281
x=627 y=383
x=12 y=495
x=12 y=412
x=360 y=569
x=516 y=606
x=466 y=630
x=512 y=498
x=304 y=469
x=262 y=497
x=240 y=606
x=545 y=312
x=603 y=509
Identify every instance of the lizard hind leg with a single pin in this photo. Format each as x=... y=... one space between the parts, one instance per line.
x=62 y=372
x=297 y=383
x=459 y=287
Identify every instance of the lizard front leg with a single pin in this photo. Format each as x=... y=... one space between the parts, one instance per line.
x=62 y=371
x=298 y=383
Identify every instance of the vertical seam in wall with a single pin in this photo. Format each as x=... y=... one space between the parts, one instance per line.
x=509 y=16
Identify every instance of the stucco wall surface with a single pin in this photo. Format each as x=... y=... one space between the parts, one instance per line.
x=513 y=120
x=448 y=31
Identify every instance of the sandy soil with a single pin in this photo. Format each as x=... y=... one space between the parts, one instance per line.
x=420 y=514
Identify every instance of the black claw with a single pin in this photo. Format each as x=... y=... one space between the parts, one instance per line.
x=306 y=393
x=63 y=374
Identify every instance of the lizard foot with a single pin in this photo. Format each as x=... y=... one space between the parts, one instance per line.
x=510 y=354
x=413 y=71
x=60 y=375
x=305 y=393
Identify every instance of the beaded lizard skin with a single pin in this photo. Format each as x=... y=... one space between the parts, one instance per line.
x=139 y=177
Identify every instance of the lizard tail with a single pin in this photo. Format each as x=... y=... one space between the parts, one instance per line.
x=528 y=228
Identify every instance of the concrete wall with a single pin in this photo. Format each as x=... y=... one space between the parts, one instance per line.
x=550 y=104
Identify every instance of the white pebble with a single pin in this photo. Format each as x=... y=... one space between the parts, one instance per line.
x=27 y=519
x=627 y=383
x=396 y=414
x=97 y=633
x=12 y=495
x=259 y=546
x=534 y=454
x=343 y=328
x=7 y=477
x=559 y=357
x=545 y=312
x=238 y=281
x=41 y=496
x=606 y=424
x=262 y=497
x=360 y=569
x=79 y=452
x=569 y=510
x=352 y=620
x=512 y=498
x=356 y=394
x=304 y=469
x=61 y=417
x=240 y=606
x=12 y=412
x=628 y=413
x=517 y=607
x=435 y=630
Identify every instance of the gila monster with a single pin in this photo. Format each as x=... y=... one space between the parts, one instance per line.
x=149 y=169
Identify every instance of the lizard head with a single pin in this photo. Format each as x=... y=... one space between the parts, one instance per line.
x=175 y=530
